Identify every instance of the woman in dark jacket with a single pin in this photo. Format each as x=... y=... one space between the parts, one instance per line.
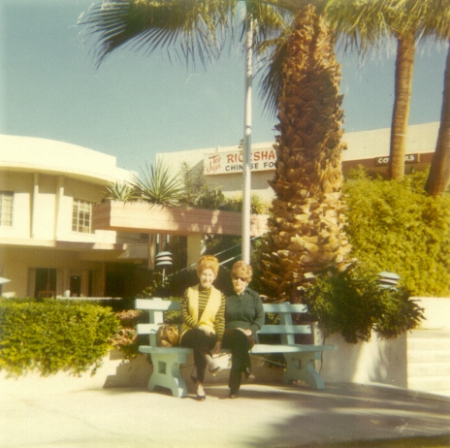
x=244 y=316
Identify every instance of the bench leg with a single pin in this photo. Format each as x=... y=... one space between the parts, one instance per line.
x=300 y=366
x=166 y=373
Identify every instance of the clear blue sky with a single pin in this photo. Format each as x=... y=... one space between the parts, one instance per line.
x=134 y=106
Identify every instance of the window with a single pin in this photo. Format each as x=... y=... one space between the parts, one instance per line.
x=6 y=208
x=82 y=216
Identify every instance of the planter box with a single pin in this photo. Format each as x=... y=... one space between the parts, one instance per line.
x=143 y=217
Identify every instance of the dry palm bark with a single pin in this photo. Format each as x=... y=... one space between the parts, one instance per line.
x=307 y=216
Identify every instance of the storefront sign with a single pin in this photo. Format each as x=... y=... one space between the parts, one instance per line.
x=409 y=158
x=229 y=162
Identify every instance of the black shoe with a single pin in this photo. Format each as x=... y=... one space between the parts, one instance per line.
x=249 y=375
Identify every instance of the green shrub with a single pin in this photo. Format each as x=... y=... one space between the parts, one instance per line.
x=353 y=304
x=51 y=336
x=394 y=226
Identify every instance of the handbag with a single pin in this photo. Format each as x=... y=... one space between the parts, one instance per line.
x=168 y=335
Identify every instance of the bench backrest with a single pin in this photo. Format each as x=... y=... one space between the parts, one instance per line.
x=285 y=328
x=155 y=308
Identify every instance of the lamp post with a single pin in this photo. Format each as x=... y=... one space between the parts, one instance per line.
x=163 y=259
x=246 y=167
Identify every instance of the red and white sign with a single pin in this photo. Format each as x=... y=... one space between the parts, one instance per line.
x=229 y=162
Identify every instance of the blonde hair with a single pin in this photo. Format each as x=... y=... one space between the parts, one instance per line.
x=242 y=269
x=208 y=262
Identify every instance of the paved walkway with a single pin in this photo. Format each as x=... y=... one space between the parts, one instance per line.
x=36 y=413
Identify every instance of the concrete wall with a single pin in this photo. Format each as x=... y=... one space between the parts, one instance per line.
x=381 y=361
x=377 y=361
x=437 y=312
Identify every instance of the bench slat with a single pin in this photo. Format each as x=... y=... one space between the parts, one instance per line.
x=269 y=348
x=147 y=328
x=285 y=329
x=285 y=307
x=167 y=350
x=157 y=305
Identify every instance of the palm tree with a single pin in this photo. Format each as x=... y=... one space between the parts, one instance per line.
x=307 y=225
x=439 y=175
x=363 y=24
x=190 y=30
x=307 y=216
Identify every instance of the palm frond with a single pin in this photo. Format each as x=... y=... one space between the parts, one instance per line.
x=270 y=83
x=269 y=20
x=359 y=25
x=186 y=29
x=366 y=24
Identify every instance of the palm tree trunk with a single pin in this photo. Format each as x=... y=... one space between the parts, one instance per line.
x=439 y=176
x=307 y=215
x=403 y=86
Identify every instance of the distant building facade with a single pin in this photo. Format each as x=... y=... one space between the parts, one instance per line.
x=47 y=244
x=222 y=166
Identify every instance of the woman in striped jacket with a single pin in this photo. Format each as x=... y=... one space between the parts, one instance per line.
x=203 y=320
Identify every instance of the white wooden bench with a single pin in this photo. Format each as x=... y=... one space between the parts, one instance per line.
x=167 y=360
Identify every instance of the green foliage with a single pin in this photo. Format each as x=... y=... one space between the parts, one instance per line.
x=50 y=336
x=197 y=194
x=213 y=199
x=258 y=205
x=158 y=185
x=353 y=304
x=194 y=184
x=394 y=226
x=120 y=191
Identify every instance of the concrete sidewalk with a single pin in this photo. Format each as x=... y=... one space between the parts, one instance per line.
x=36 y=413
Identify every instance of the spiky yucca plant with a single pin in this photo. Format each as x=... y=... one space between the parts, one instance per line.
x=120 y=191
x=307 y=215
x=158 y=185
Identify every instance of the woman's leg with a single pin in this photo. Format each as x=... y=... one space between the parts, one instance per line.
x=202 y=344
x=239 y=344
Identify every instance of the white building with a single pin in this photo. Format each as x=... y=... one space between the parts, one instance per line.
x=47 y=243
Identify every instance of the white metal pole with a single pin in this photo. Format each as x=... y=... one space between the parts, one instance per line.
x=247 y=181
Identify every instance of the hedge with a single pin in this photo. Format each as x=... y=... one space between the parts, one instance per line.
x=394 y=226
x=51 y=336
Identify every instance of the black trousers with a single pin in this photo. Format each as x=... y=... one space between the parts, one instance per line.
x=202 y=344
x=239 y=344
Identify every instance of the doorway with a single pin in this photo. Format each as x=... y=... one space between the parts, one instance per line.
x=45 y=283
x=75 y=285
